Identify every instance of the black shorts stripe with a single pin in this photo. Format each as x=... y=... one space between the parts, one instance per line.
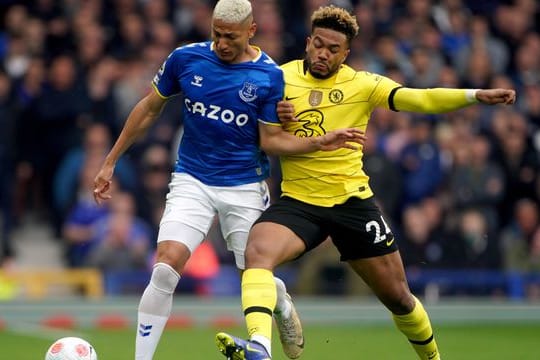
x=424 y=342
x=260 y=309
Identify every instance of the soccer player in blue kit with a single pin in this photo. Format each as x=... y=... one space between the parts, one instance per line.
x=230 y=90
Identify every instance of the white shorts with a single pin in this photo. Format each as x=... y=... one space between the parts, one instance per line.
x=191 y=207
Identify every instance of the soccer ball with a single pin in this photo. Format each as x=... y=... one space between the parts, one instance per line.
x=71 y=348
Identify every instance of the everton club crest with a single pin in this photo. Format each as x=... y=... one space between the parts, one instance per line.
x=248 y=92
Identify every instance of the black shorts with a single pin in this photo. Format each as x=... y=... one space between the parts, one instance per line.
x=356 y=227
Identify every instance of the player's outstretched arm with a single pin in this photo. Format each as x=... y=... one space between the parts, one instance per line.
x=441 y=100
x=496 y=96
x=139 y=120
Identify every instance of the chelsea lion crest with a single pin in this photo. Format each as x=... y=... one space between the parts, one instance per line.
x=248 y=92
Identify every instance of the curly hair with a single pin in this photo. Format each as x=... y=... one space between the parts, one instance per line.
x=335 y=18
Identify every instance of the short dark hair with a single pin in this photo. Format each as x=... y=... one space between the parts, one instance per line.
x=335 y=18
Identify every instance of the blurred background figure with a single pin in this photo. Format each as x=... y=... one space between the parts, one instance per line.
x=70 y=178
x=122 y=240
x=7 y=168
x=155 y=171
x=520 y=243
x=80 y=224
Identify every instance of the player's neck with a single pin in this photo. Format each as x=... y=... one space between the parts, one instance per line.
x=251 y=53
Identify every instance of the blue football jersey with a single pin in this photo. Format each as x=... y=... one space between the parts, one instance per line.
x=222 y=105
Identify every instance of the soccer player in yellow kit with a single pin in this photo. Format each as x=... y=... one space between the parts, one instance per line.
x=328 y=194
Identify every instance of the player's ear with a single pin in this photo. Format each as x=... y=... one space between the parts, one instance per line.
x=347 y=52
x=308 y=41
x=252 y=30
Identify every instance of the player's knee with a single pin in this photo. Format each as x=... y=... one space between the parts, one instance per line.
x=400 y=303
x=164 y=278
x=257 y=253
x=173 y=254
x=404 y=304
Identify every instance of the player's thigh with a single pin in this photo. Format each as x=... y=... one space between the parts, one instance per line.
x=286 y=230
x=189 y=212
x=271 y=244
x=238 y=207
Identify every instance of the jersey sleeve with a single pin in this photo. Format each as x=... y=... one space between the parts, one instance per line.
x=268 y=113
x=165 y=81
x=382 y=92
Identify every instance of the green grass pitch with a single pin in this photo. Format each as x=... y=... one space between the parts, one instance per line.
x=348 y=342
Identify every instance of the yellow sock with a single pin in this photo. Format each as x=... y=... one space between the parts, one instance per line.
x=258 y=301
x=416 y=326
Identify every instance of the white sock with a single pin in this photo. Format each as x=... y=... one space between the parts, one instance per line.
x=264 y=341
x=154 y=310
x=283 y=306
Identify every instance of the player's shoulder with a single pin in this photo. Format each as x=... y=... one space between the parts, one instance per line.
x=348 y=73
x=293 y=66
x=193 y=48
x=267 y=62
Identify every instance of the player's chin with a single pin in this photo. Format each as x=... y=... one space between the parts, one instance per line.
x=226 y=57
x=320 y=72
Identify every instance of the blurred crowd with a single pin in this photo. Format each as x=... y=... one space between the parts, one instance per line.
x=461 y=190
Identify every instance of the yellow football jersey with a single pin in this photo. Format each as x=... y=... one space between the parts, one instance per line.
x=327 y=178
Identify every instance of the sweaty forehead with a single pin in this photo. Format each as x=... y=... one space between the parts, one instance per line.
x=329 y=37
x=228 y=28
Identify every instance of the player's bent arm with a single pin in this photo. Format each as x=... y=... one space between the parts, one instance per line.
x=143 y=115
x=276 y=141
x=440 y=100
x=139 y=120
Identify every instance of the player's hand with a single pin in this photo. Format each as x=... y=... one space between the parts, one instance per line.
x=342 y=139
x=102 y=184
x=496 y=96
x=285 y=111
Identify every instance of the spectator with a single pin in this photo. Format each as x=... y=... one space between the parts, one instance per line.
x=384 y=175
x=426 y=65
x=8 y=118
x=420 y=247
x=58 y=115
x=473 y=246
x=520 y=243
x=156 y=169
x=476 y=181
x=421 y=163
x=96 y=144
x=519 y=160
x=481 y=38
x=518 y=239
x=80 y=224
x=122 y=240
x=26 y=184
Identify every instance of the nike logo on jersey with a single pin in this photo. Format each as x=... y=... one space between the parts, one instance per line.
x=389 y=242
x=288 y=98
